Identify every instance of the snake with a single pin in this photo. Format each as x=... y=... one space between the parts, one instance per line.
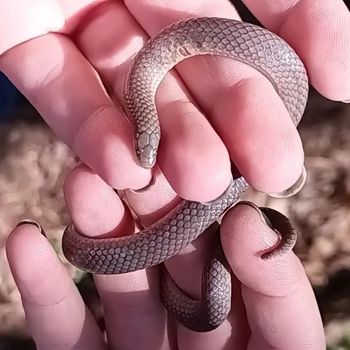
x=247 y=43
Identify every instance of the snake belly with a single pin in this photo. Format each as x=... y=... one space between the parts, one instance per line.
x=243 y=42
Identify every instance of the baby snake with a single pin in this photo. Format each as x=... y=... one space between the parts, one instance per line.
x=244 y=42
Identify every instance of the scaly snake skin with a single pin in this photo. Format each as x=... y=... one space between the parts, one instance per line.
x=243 y=42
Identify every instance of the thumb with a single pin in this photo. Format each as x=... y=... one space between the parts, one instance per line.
x=246 y=236
x=277 y=295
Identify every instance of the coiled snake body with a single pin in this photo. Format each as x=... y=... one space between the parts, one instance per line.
x=246 y=43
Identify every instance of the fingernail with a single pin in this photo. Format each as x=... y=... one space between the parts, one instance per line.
x=294 y=189
x=32 y=222
x=147 y=187
x=279 y=225
x=346 y=101
x=263 y=217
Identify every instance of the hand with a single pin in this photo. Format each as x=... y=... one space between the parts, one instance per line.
x=59 y=52
x=78 y=45
x=273 y=305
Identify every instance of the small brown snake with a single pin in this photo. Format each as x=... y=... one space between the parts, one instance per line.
x=243 y=42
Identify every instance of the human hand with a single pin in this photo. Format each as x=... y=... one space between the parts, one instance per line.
x=273 y=305
x=78 y=45
x=54 y=74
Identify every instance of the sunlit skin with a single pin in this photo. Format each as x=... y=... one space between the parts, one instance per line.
x=61 y=55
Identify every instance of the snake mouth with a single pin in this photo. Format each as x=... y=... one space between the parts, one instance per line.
x=147 y=163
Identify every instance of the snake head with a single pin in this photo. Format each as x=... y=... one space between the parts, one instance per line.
x=146 y=149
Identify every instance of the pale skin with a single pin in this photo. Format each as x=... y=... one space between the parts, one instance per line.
x=58 y=59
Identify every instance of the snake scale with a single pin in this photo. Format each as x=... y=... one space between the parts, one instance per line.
x=249 y=44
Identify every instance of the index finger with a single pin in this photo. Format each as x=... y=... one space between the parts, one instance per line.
x=63 y=86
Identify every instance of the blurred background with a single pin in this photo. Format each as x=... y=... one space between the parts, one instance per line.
x=33 y=164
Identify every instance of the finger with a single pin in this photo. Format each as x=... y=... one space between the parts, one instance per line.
x=55 y=312
x=131 y=301
x=154 y=201
x=110 y=41
x=94 y=206
x=22 y=21
x=276 y=292
x=25 y=20
x=259 y=134
x=62 y=85
x=320 y=33
x=236 y=99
